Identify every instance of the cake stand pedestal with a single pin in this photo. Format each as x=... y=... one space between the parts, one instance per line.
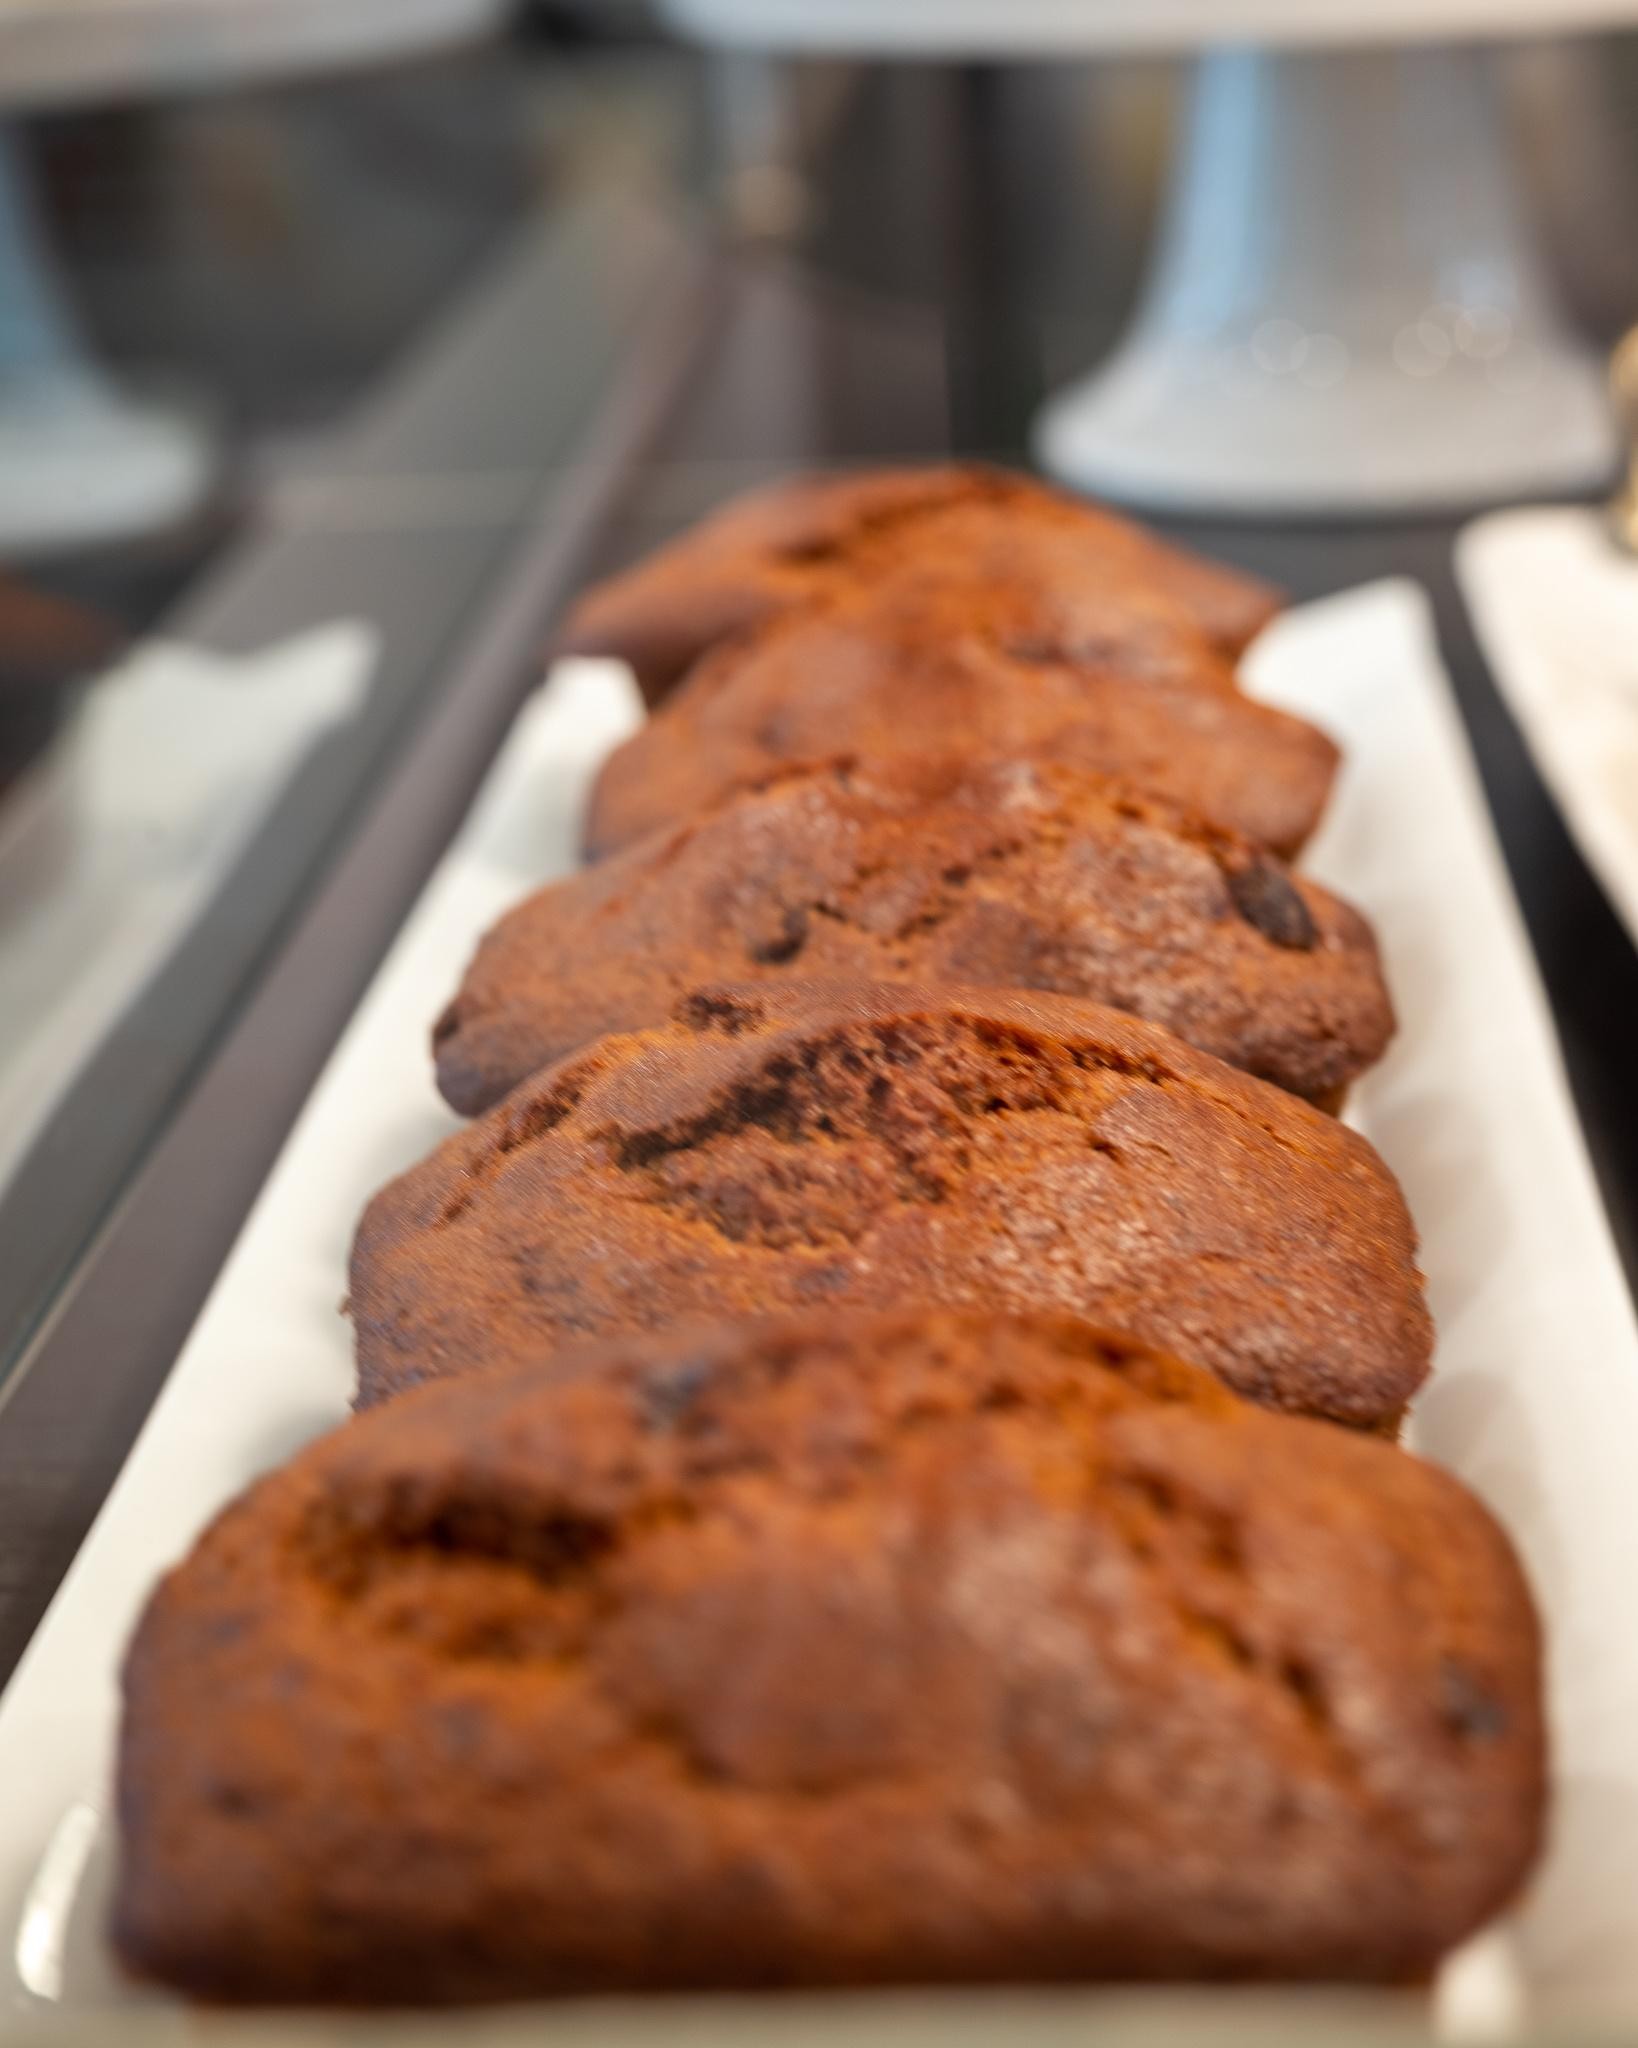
x=81 y=462
x=1345 y=309
x=1346 y=312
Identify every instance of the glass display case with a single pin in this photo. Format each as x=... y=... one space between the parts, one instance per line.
x=449 y=333
x=456 y=329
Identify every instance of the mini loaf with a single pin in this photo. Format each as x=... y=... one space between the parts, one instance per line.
x=1007 y=874
x=910 y=666
x=783 y=547
x=835 y=1652
x=795 y=1145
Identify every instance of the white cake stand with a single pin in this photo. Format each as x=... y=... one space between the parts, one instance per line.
x=80 y=462
x=1346 y=312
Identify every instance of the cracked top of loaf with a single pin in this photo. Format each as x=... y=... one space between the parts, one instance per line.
x=782 y=547
x=1013 y=874
x=797 y=1145
x=837 y=1651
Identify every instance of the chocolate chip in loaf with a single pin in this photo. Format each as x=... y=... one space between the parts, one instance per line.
x=668 y=1396
x=710 y=1010
x=1470 y=1708
x=786 y=943
x=1267 y=900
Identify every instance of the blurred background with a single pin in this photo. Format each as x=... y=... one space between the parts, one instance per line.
x=262 y=253
x=339 y=341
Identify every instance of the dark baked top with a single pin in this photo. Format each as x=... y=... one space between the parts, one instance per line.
x=779 y=548
x=910 y=665
x=828 y=1653
x=1005 y=874
x=796 y=1146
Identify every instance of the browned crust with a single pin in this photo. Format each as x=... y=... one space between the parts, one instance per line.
x=898 y=1651
x=1008 y=874
x=781 y=547
x=795 y=1146
x=912 y=664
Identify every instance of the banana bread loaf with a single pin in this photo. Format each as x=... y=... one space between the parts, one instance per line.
x=1008 y=874
x=910 y=666
x=831 y=1653
x=777 y=549
x=790 y=1146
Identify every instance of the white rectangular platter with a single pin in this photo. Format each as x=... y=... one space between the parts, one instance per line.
x=1555 y=604
x=1535 y=1401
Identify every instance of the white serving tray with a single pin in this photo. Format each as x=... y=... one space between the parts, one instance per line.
x=113 y=846
x=1555 y=605
x=1535 y=1402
